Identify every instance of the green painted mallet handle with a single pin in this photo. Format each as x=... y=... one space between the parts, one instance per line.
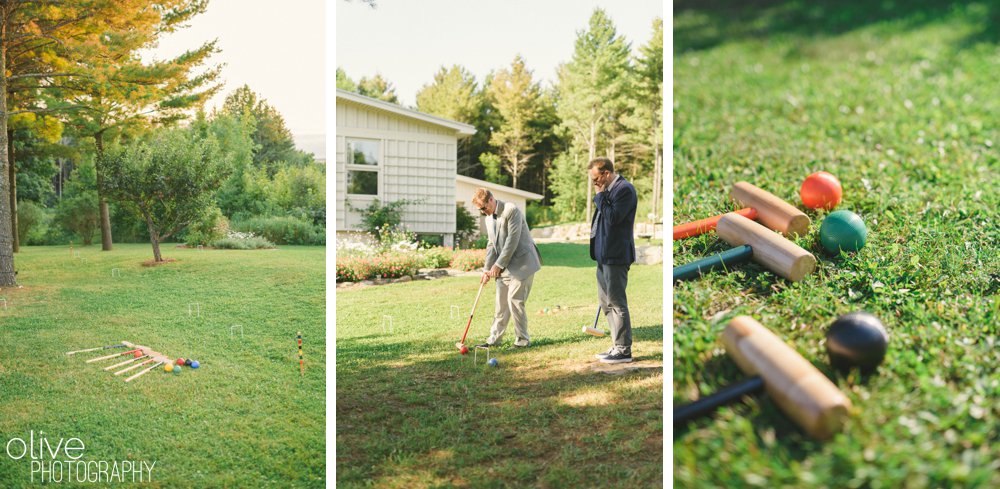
x=728 y=258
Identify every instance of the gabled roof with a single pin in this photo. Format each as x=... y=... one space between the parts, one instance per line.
x=498 y=188
x=460 y=128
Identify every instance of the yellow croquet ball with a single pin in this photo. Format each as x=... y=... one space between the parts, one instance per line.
x=168 y=367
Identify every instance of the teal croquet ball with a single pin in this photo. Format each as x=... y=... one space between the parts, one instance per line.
x=177 y=369
x=493 y=362
x=843 y=230
x=195 y=364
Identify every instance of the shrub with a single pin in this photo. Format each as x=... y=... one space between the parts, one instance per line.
x=242 y=241
x=430 y=240
x=437 y=257
x=480 y=242
x=283 y=230
x=539 y=215
x=466 y=225
x=377 y=218
x=468 y=260
x=32 y=222
x=211 y=227
x=389 y=265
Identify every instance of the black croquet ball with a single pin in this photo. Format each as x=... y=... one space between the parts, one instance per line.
x=857 y=340
x=187 y=362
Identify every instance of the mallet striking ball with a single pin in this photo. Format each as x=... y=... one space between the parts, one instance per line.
x=821 y=190
x=843 y=230
x=464 y=350
x=857 y=340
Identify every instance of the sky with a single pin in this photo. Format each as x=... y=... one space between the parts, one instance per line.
x=277 y=48
x=407 y=41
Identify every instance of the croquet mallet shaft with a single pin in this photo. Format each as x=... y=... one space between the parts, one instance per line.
x=471 y=313
x=702 y=226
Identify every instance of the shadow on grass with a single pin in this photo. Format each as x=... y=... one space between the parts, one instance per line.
x=705 y=24
x=408 y=415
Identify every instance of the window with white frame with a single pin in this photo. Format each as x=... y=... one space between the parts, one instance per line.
x=363 y=163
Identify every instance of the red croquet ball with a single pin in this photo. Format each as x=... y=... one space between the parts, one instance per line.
x=138 y=354
x=821 y=190
x=180 y=361
x=464 y=349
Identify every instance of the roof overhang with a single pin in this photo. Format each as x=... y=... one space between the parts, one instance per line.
x=461 y=128
x=496 y=187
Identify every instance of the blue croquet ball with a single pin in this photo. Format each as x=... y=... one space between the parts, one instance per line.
x=493 y=362
x=195 y=364
x=177 y=369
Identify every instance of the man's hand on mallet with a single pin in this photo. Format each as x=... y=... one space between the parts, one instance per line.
x=495 y=271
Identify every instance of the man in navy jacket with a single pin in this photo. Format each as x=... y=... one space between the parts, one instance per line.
x=612 y=246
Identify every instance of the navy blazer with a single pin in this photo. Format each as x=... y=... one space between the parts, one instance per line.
x=614 y=243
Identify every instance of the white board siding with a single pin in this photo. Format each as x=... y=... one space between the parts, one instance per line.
x=417 y=161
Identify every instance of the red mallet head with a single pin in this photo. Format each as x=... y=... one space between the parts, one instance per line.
x=821 y=190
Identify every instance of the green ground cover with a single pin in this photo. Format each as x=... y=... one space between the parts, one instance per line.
x=412 y=412
x=899 y=100
x=244 y=419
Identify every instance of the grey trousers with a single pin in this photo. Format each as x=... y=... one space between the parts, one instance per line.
x=511 y=296
x=611 y=283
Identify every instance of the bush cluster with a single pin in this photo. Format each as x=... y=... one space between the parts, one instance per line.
x=236 y=240
x=468 y=260
x=436 y=257
x=388 y=265
x=284 y=230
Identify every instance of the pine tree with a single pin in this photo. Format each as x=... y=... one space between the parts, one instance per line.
x=516 y=98
x=454 y=95
x=591 y=84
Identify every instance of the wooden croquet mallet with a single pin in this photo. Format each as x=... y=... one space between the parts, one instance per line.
x=752 y=241
x=758 y=204
x=796 y=386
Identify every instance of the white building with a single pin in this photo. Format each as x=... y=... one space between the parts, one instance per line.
x=465 y=188
x=388 y=152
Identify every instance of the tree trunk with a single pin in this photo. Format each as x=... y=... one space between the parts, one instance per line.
x=593 y=153
x=103 y=203
x=657 y=177
x=154 y=239
x=12 y=171
x=7 y=274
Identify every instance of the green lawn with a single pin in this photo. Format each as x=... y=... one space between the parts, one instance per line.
x=412 y=412
x=244 y=419
x=899 y=101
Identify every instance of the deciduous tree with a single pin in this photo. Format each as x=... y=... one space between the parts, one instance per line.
x=516 y=98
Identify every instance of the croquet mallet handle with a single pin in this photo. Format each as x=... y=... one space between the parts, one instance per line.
x=772 y=212
x=473 y=312
x=703 y=226
x=726 y=259
x=708 y=405
x=770 y=249
x=795 y=385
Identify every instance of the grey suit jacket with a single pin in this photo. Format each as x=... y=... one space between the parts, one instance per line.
x=510 y=245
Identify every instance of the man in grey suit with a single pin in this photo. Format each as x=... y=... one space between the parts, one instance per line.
x=512 y=259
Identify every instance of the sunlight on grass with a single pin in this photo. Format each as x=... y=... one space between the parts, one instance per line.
x=589 y=398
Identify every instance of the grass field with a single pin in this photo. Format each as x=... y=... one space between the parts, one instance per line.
x=244 y=419
x=412 y=412
x=900 y=101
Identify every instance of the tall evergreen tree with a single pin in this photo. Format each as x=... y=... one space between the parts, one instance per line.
x=273 y=141
x=516 y=98
x=646 y=117
x=591 y=84
x=345 y=82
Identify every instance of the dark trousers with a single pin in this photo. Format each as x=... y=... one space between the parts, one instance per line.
x=611 y=283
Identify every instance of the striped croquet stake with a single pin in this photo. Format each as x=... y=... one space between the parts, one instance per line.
x=302 y=365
